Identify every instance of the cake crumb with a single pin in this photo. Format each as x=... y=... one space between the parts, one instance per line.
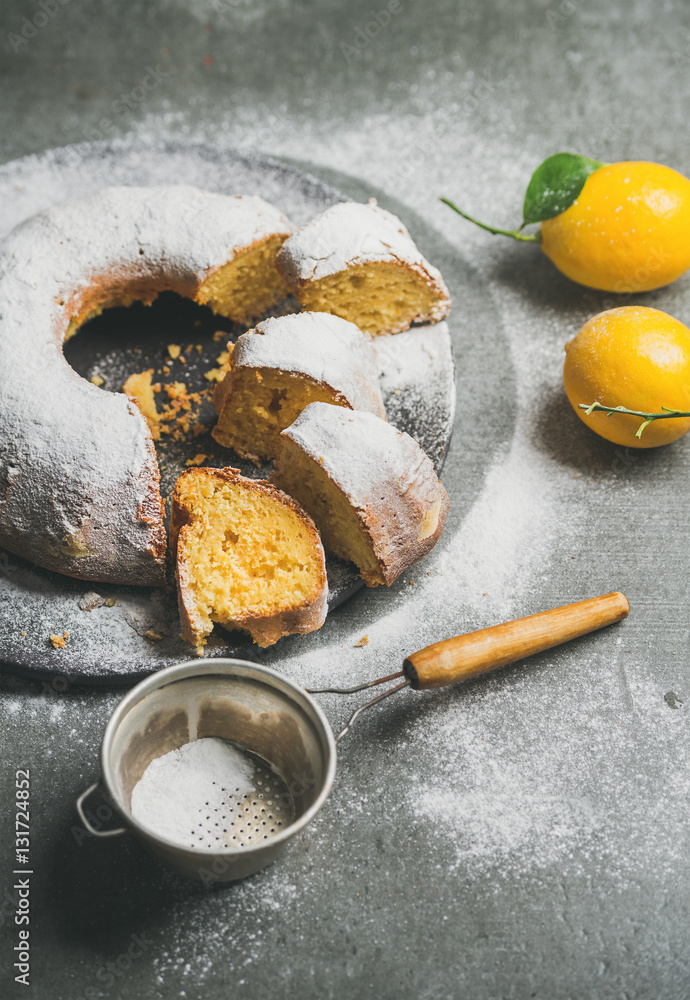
x=174 y=351
x=364 y=641
x=198 y=429
x=97 y=380
x=224 y=362
x=59 y=641
x=152 y=636
x=141 y=389
x=197 y=460
x=176 y=417
x=90 y=601
x=219 y=334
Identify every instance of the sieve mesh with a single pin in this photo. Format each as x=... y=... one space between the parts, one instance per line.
x=234 y=817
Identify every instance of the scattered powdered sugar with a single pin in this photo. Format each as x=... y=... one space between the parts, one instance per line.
x=505 y=535
x=511 y=801
x=417 y=378
x=503 y=818
x=417 y=385
x=571 y=764
x=494 y=554
x=178 y=791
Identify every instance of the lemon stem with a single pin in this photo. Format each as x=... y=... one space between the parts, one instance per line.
x=513 y=233
x=647 y=418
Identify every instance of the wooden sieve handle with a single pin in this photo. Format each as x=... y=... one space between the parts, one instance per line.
x=465 y=656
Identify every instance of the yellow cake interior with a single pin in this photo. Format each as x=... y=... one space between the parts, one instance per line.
x=376 y=297
x=140 y=388
x=341 y=531
x=262 y=403
x=246 y=286
x=243 y=555
x=90 y=311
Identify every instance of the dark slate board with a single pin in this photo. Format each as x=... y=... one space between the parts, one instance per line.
x=109 y=644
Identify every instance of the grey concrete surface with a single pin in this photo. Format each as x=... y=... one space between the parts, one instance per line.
x=526 y=836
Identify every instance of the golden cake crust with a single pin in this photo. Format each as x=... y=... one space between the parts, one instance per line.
x=360 y=262
x=79 y=479
x=277 y=368
x=367 y=483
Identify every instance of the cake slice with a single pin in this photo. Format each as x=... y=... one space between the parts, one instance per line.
x=247 y=557
x=360 y=262
x=370 y=488
x=284 y=364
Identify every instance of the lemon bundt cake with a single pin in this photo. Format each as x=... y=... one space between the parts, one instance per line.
x=247 y=557
x=79 y=481
x=370 y=488
x=360 y=262
x=284 y=364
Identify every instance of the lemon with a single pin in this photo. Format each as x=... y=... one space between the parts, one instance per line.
x=620 y=227
x=634 y=357
x=627 y=231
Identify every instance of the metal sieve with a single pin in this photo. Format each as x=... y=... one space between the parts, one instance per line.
x=283 y=731
x=284 y=736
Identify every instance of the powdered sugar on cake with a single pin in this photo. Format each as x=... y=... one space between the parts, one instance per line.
x=349 y=234
x=42 y=603
x=324 y=347
x=79 y=479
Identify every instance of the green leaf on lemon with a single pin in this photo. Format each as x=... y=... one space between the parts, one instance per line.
x=555 y=185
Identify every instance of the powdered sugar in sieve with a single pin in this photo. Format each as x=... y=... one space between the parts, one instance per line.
x=211 y=794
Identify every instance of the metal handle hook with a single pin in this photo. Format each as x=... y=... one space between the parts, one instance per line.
x=363 y=687
x=368 y=704
x=82 y=815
